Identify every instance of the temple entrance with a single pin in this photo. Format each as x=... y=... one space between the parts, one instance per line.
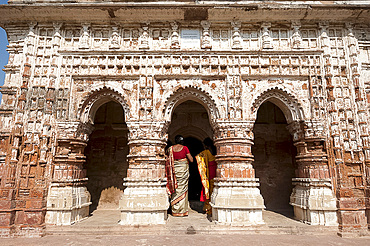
x=195 y=183
x=190 y=119
x=274 y=158
x=106 y=157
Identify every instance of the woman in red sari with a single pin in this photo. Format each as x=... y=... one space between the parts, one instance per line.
x=207 y=169
x=177 y=171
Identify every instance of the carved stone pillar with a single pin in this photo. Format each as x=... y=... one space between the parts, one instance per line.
x=29 y=51
x=206 y=37
x=144 y=38
x=22 y=194
x=324 y=39
x=55 y=54
x=57 y=36
x=12 y=136
x=85 y=38
x=236 y=38
x=175 y=38
x=114 y=39
x=266 y=38
x=145 y=200
x=312 y=197
x=296 y=37
x=353 y=188
x=236 y=199
x=68 y=198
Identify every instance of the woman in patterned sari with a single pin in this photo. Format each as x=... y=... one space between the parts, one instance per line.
x=207 y=169
x=177 y=171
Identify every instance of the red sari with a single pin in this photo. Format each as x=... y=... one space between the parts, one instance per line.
x=177 y=171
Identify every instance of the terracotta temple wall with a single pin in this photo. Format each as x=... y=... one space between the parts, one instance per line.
x=63 y=68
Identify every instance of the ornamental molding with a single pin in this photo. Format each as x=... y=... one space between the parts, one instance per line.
x=191 y=93
x=147 y=132
x=97 y=97
x=234 y=131
x=285 y=100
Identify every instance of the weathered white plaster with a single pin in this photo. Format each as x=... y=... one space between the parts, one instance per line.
x=65 y=61
x=237 y=202
x=67 y=205
x=314 y=202
x=144 y=203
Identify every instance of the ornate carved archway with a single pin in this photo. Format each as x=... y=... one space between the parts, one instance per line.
x=189 y=93
x=93 y=100
x=191 y=112
x=284 y=100
x=69 y=160
x=312 y=197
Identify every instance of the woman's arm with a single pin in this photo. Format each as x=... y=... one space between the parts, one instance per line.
x=190 y=158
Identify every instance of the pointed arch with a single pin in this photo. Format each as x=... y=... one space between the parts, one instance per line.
x=284 y=100
x=190 y=93
x=96 y=98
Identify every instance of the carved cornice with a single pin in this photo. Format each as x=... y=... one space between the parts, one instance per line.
x=176 y=10
x=190 y=52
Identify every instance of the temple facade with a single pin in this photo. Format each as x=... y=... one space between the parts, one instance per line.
x=95 y=89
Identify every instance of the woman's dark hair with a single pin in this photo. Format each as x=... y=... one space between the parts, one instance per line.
x=169 y=144
x=208 y=143
x=179 y=139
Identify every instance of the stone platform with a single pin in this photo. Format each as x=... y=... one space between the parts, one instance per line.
x=105 y=222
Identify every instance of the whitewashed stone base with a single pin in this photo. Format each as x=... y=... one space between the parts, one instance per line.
x=67 y=205
x=144 y=203
x=237 y=202
x=314 y=201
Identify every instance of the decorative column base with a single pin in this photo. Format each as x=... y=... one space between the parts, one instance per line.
x=67 y=204
x=144 y=203
x=237 y=202
x=314 y=202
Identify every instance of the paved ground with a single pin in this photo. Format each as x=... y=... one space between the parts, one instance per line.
x=105 y=222
x=102 y=229
x=182 y=240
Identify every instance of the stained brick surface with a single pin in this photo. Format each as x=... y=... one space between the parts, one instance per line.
x=67 y=62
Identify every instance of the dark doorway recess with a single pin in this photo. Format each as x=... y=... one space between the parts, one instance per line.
x=195 y=184
x=190 y=119
x=106 y=157
x=274 y=158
